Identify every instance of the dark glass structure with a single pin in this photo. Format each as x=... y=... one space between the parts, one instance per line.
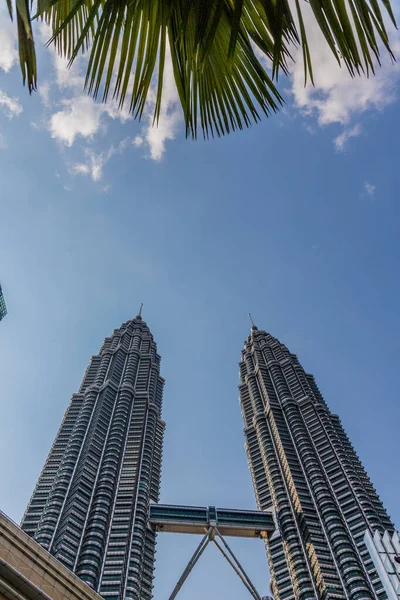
x=3 y=309
x=90 y=505
x=304 y=466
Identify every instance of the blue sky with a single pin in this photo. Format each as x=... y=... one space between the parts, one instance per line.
x=296 y=219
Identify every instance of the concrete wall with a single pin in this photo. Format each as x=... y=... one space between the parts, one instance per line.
x=28 y=572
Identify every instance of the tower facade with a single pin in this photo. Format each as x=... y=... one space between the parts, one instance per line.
x=304 y=466
x=3 y=309
x=90 y=505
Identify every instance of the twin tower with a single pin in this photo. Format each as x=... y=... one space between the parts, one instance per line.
x=90 y=507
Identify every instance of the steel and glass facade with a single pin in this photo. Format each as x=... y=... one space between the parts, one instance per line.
x=90 y=505
x=385 y=552
x=198 y=519
x=3 y=309
x=304 y=467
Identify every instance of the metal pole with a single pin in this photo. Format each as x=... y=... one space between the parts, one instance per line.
x=198 y=552
x=252 y=591
x=243 y=572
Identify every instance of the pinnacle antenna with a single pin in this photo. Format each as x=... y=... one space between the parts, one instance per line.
x=253 y=327
x=140 y=310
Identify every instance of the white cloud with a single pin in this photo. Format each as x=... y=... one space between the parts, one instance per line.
x=369 y=188
x=337 y=97
x=41 y=125
x=155 y=137
x=8 y=50
x=341 y=140
x=45 y=32
x=44 y=93
x=11 y=106
x=80 y=116
x=309 y=128
x=138 y=141
x=94 y=163
x=80 y=169
x=68 y=78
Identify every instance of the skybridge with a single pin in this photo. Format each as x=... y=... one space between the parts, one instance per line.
x=214 y=524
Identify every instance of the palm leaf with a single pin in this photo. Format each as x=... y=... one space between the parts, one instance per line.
x=221 y=83
x=9 y=8
x=26 y=46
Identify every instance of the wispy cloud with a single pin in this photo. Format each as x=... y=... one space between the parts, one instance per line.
x=8 y=49
x=92 y=166
x=93 y=163
x=68 y=78
x=44 y=92
x=310 y=128
x=138 y=141
x=79 y=116
x=10 y=106
x=369 y=188
x=336 y=96
x=76 y=114
x=341 y=140
x=156 y=136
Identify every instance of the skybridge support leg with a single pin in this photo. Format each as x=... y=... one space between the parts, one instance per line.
x=236 y=566
x=212 y=535
x=198 y=552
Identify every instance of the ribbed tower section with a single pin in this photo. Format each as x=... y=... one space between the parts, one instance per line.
x=90 y=505
x=303 y=465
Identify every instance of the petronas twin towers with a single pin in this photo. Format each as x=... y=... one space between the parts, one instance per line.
x=91 y=503
x=304 y=466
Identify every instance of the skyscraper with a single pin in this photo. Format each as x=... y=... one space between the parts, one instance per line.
x=3 y=309
x=90 y=504
x=303 y=465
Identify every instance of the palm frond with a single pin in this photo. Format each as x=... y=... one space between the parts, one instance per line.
x=228 y=90
x=26 y=45
x=9 y=8
x=222 y=84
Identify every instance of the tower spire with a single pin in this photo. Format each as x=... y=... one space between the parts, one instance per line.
x=252 y=322
x=139 y=315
